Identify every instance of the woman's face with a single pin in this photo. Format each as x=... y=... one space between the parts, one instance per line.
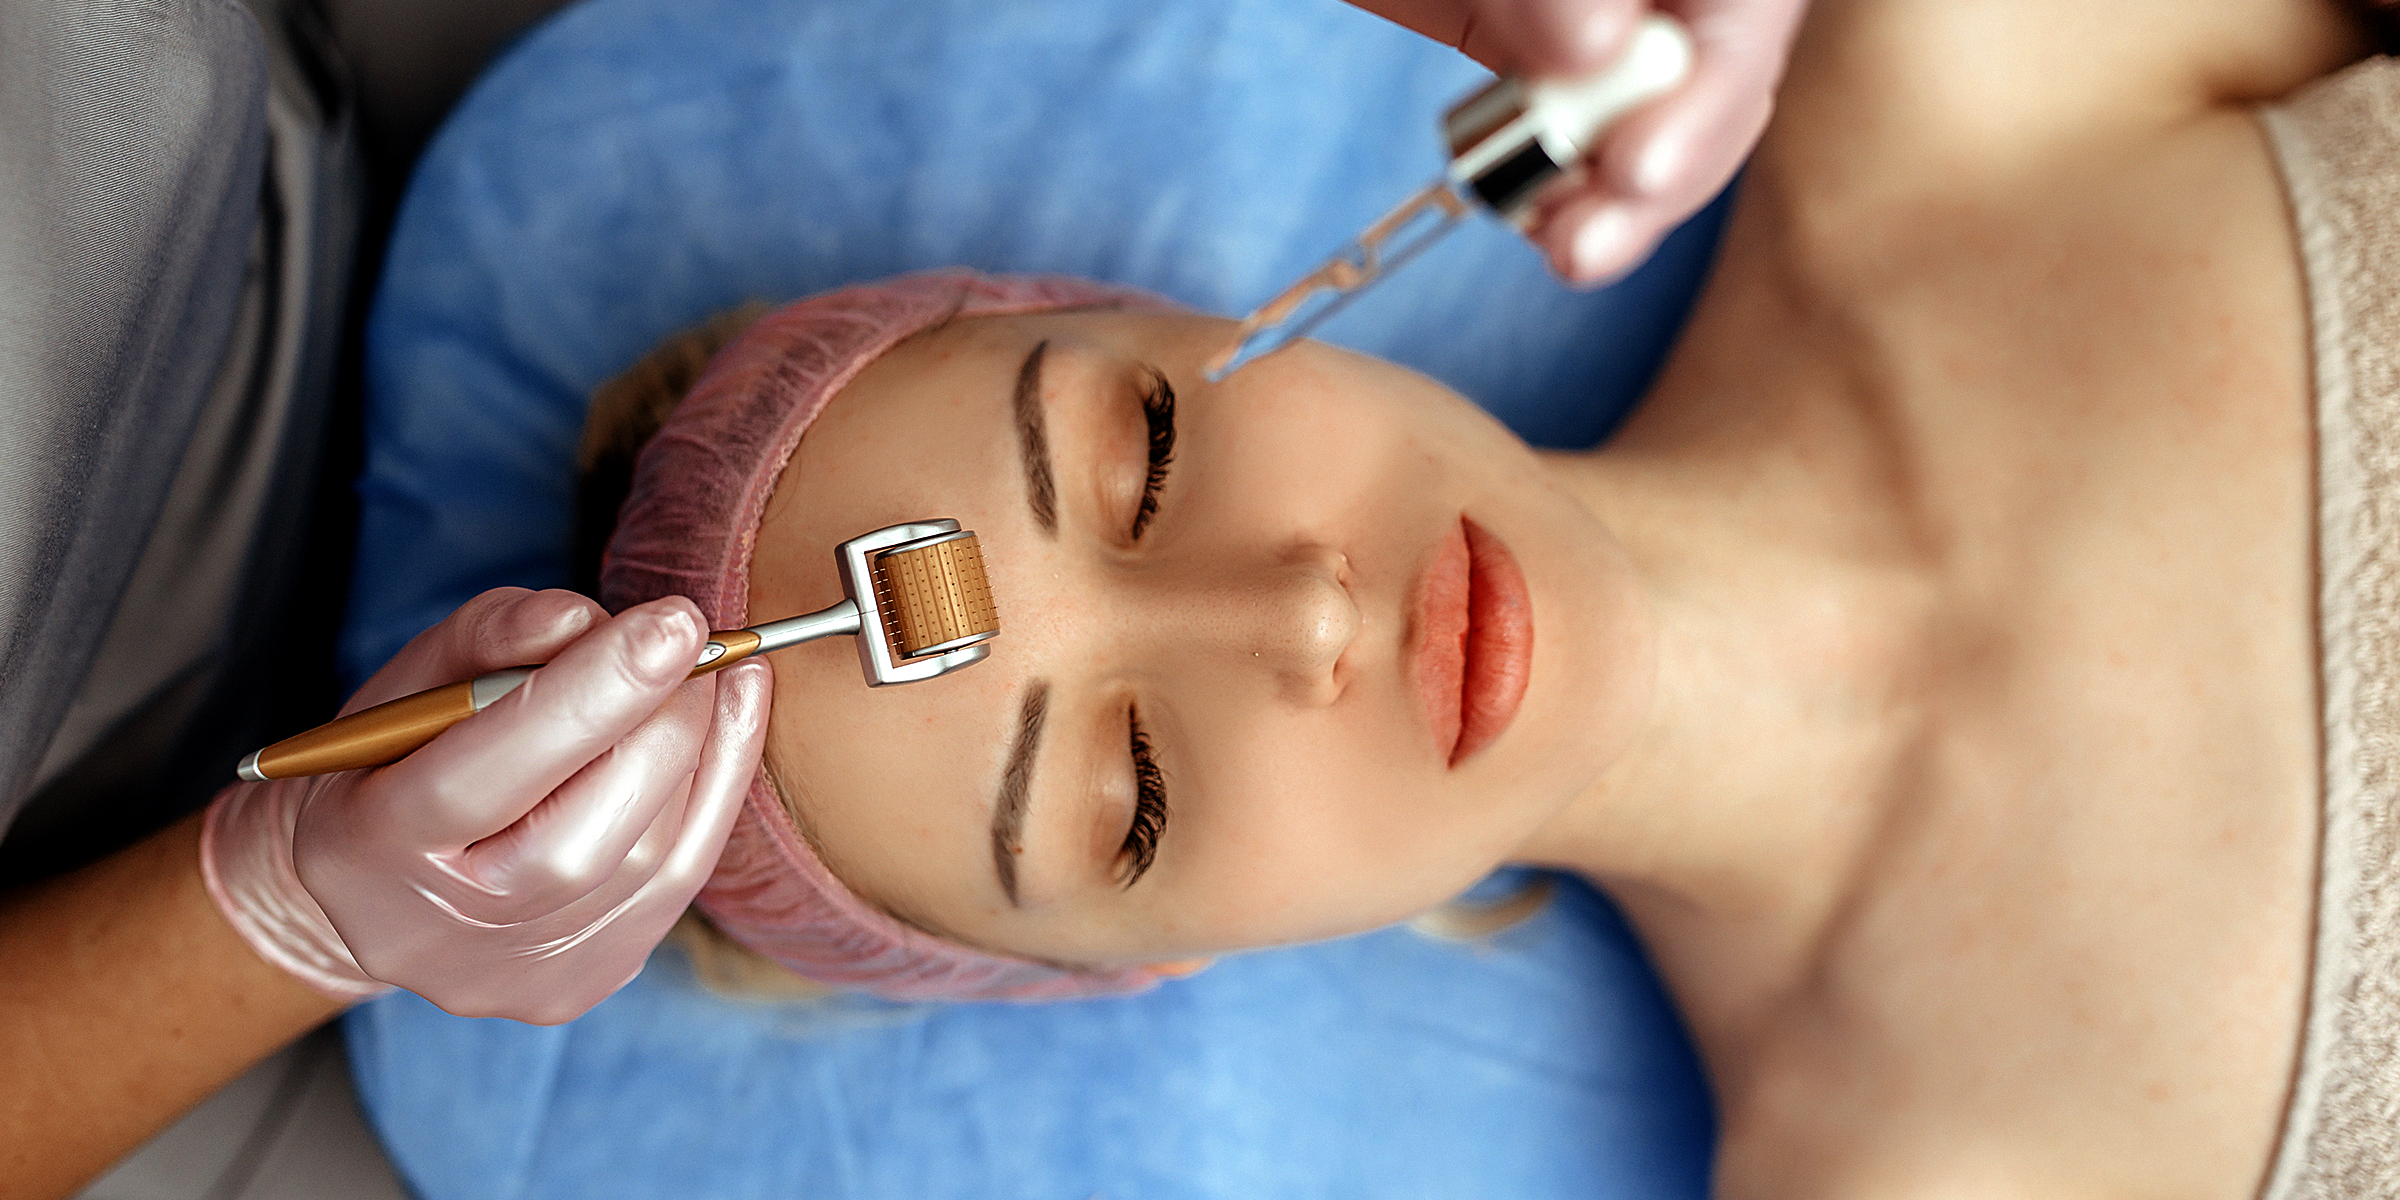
x=1367 y=643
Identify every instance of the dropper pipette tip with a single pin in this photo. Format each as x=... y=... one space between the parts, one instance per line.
x=1232 y=358
x=1261 y=333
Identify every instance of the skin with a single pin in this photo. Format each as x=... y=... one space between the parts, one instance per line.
x=1261 y=624
x=1927 y=668
x=135 y=954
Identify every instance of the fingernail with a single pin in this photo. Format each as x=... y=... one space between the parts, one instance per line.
x=545 y=617
x=577 y=609
x=1597 y=243
x=1654 y=169
x=751 y=675
x=663 y=646
x=747 y=694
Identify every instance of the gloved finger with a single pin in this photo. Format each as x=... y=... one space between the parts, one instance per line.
x=589 y=926
x=583 y=954
x=482 y=775
x=677 y=853
x=729 y=760
x=728 y=763
x=1591 y=236
x=559 y=963
x=580 y=835
x=504 y=627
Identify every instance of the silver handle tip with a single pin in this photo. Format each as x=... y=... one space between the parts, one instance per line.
x=249 y=769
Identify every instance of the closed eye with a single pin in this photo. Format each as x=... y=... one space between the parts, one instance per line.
x=1149 y=806
x=1158 y=410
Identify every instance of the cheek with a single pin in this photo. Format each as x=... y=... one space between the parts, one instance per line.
x=1354 y=453
x=1306 y=442
x=1308 y=826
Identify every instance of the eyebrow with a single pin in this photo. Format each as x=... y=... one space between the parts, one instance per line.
x=1016 y=787
x=1033 y=441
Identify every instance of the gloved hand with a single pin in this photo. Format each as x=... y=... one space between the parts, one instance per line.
x=524 y=863
x=1659 y=165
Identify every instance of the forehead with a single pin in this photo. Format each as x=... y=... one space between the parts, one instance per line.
x=924 y=432
x=936 y=406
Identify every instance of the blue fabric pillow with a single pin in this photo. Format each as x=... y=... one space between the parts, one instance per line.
x=636 y=165
x=1544 y=1063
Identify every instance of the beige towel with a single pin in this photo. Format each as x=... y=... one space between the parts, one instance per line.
x=2338 y=145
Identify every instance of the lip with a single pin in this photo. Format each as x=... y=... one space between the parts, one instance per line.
x=1473 y=641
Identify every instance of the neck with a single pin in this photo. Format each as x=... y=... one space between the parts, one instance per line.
x=1759 y=496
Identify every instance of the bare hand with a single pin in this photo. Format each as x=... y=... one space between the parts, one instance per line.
x=1658 y=166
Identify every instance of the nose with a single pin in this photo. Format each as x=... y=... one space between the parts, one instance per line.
x=1289 y=617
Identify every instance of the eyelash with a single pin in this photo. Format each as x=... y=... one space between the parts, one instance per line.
x=1158 y=408
x=1149 y=805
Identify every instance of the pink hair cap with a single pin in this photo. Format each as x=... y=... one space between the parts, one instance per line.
x=689 y=526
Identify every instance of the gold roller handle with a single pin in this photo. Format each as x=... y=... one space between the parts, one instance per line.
x=724 y=650
x=369 y=737
x=395 y=729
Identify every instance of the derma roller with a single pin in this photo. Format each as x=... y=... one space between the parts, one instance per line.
x=916 y=598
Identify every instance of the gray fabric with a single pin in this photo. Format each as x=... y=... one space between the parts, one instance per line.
x=132 y=141
x=131 y=686
x=178 y=214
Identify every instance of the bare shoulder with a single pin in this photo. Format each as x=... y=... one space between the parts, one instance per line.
x=1968 y=83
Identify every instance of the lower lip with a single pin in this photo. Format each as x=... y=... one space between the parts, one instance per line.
x=1475 y=625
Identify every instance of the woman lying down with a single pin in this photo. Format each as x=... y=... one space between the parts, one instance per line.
x=1971 y=670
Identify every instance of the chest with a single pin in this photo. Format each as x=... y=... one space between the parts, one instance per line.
x=2078 y=962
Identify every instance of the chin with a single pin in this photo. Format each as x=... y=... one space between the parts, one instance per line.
x=1591 y=683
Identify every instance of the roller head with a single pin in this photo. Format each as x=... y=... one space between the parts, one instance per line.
x=924 y=605
x=934 y=596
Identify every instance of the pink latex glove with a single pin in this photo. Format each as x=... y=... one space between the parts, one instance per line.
x=1659 y=165
x=524 y=863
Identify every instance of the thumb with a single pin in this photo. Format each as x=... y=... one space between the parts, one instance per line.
x=1546 y=38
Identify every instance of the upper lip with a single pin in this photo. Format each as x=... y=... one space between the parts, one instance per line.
x=1499 y=642
x=1437 y=634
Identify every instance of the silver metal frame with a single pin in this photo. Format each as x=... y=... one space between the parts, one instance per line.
x=855 y=560
x=862 y=613
x=497 y=684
